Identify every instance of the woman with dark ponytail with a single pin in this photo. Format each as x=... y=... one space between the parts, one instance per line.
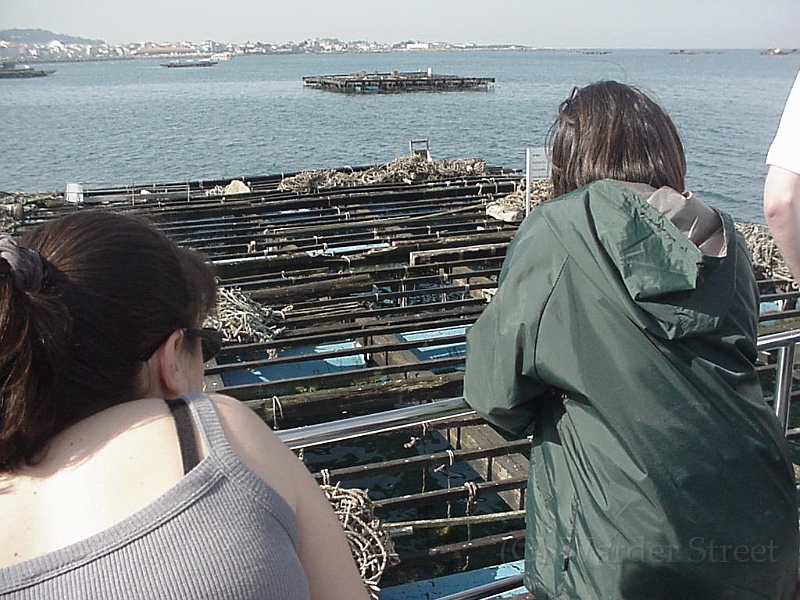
x=119 y=477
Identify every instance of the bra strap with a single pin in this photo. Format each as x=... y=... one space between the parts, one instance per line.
x=186 y=437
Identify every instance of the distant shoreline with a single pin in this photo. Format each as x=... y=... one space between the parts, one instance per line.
x=501 y=48
x=490 y=48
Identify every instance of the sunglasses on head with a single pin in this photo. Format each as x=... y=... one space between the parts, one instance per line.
x=210 y=341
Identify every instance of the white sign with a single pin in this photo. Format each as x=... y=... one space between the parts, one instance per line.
x=539 y=164
x=74 y=193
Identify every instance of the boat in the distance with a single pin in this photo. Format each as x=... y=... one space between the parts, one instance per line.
x=11 y=70
x=190 y=62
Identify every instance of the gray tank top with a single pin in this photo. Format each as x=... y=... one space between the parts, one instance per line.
x=220 y=533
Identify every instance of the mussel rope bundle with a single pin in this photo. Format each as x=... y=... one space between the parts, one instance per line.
x=767 y=258
x=243 y=320
x=370 y=544
x=405 y=169
x=511 y=207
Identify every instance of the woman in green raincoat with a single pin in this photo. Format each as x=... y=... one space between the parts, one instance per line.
x=624 y=332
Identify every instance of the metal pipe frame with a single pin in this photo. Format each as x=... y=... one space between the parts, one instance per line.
x=487 y=590
x=390 y=420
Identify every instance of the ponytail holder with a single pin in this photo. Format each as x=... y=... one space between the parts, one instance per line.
x=27 y=266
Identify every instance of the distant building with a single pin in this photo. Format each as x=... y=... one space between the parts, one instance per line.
x=79 y=49
x=166 y=50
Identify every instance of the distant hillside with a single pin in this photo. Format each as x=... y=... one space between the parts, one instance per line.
x=40 y=36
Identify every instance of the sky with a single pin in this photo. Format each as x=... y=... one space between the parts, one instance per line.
x=540 y=23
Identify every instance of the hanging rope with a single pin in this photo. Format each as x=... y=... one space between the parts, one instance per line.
x=277 y=412
x=451 y=458
x=326 y=477
x=472 y=496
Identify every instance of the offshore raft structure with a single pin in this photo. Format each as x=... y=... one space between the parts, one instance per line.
x=363 y=82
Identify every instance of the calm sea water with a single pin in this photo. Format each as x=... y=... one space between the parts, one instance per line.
x=137 y=122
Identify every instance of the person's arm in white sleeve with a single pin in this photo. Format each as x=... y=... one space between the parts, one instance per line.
x=782 y=186
x=782 y=212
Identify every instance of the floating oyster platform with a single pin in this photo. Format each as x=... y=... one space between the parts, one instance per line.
x=396 y=81
x=190 y=62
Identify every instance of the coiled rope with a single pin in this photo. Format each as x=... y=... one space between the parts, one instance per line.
x=370 y=544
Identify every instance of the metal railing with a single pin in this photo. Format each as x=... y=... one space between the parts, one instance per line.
x=487 y=590
x=784 y=342
x=401 y=418
x=383 y=422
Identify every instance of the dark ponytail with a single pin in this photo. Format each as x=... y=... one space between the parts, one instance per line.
x=34 y=332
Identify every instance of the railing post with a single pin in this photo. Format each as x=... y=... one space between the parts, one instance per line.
x=784 y=343
x=783 y=384
x=528 y=172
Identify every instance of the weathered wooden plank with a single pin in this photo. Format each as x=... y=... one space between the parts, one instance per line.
x=310 y=405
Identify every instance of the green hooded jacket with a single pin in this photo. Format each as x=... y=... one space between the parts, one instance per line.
x=624 y=330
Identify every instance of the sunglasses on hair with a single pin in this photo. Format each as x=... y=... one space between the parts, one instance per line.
x=210 y=341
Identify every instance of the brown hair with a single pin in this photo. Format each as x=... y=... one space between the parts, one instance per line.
x=114 y=287
x=609 y=130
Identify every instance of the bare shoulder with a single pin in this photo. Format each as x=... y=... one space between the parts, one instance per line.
x=242 y=422
x=260 y=449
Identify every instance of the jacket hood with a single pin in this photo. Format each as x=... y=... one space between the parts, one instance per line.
x=670 y=258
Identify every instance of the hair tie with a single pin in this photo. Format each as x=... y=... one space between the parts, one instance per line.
x=27 y=266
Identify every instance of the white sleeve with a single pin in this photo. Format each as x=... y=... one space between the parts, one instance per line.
x=785 y=149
